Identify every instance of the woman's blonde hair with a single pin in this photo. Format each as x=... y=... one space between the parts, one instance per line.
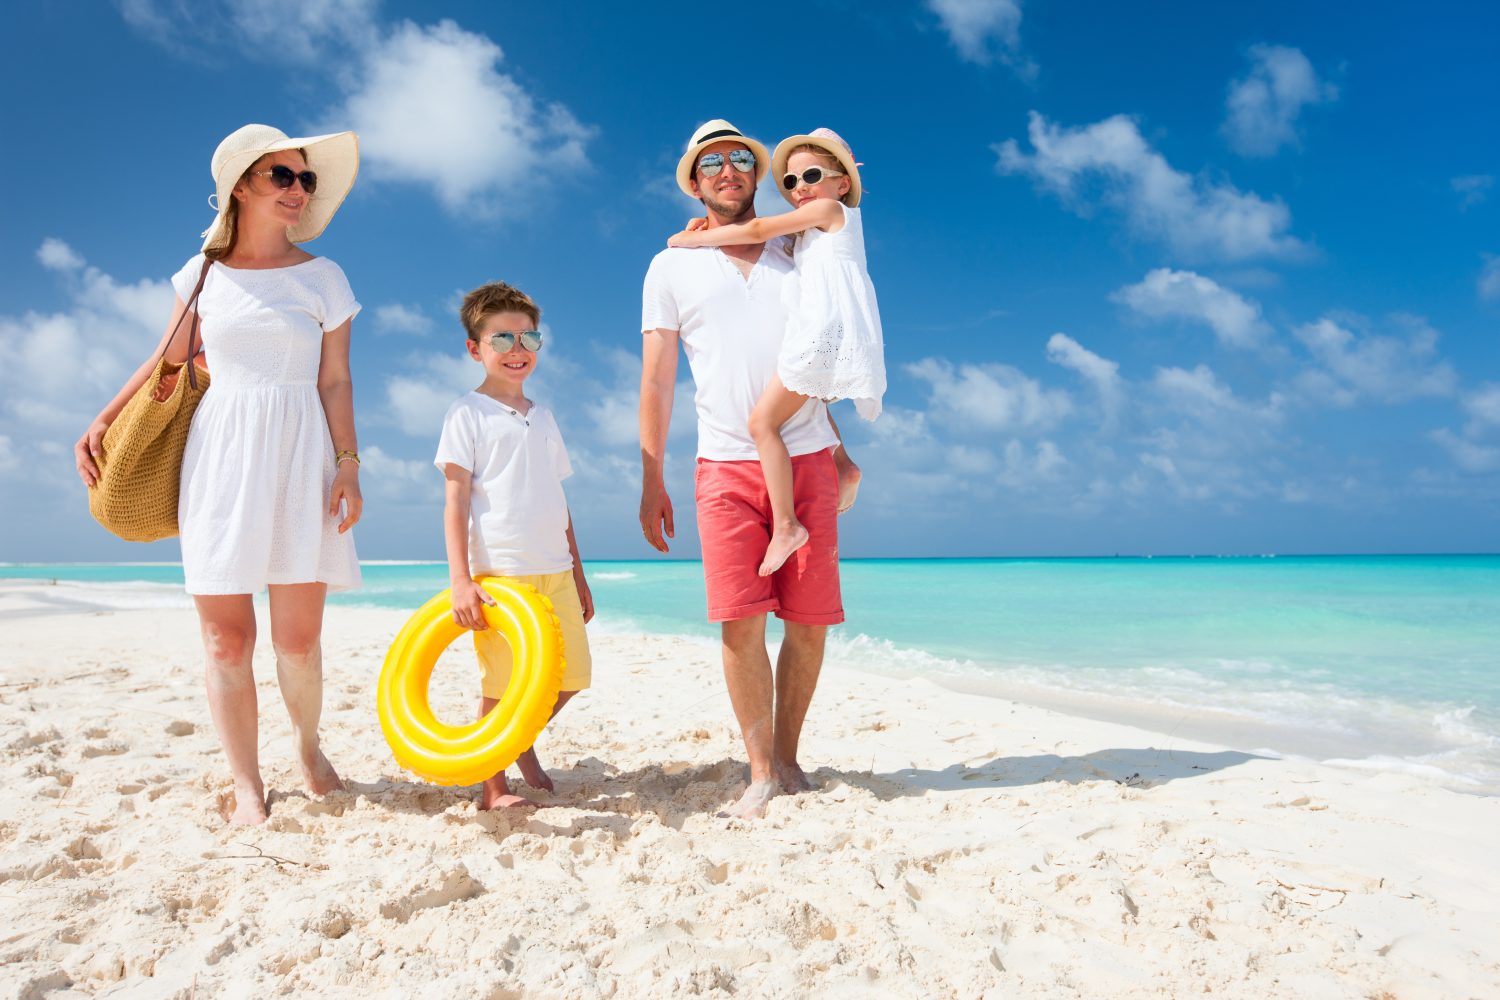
x=223 y=243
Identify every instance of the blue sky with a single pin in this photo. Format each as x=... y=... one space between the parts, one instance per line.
x=1176 y=278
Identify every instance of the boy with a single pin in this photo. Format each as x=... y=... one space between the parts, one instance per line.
x=504 y=513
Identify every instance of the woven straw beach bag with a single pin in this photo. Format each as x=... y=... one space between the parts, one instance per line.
x=140 y=469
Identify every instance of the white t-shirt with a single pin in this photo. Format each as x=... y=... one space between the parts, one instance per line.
x=731 y=329
x=518 y=515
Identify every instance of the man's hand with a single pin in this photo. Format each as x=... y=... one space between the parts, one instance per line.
x=656 y=515
x=469 y=599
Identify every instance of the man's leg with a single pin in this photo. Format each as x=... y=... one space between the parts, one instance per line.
x=747 y=674
x=797 y=670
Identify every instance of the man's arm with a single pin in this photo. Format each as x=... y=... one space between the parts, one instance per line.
x=658 y=383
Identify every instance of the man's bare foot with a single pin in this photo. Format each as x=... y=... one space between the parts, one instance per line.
x=244 y=806
x=531 y=771
x=752 y=805
x=783 y=544
x=496 y=794
x=849 y=477
x=792 y=778
x=318 y=775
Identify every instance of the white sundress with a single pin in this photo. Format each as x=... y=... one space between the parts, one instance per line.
x=833 y=347
x=259 y=463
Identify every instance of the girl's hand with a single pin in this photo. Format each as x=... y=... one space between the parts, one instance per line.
x=346 y=491
x=469 y=599
x=585 y=598
x=686 y=238
x=87 y=451
x=696 y=224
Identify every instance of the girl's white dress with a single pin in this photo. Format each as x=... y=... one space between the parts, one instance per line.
x=258 y=468
x=833 y=347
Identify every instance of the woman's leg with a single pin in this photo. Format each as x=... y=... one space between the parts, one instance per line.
x=228 y=627
x=776 y=406
x=296 y=635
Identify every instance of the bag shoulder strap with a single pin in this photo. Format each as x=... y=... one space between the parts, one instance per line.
x=192 y=307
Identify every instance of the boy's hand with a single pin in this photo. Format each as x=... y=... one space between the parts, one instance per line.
x=469 y=599
x=585 y=598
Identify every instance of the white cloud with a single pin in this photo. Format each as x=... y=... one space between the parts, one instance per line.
x=397 y=318
x=1102 y=373
x=1489 y=279
x=302 y=30
x=985 y=31
x=1472 y=189
x=1470 y=456
x=1111 y=161
x=417 y=399
x=1361 y=366
x=398 y=479
x=1168 y=294
x=430 y=106
x=55 y=255
x=1483 y=407
x=1262 y=109
x=989 y=397
x=10 y=460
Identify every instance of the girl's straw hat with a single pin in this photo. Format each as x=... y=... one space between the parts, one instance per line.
x=707 y=134
x=825 y=139
x=334 y=158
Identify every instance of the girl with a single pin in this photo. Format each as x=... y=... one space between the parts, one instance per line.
x=832 y=348
x=270 y=475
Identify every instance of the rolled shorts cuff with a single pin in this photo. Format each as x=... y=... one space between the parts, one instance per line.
x=734 y=614
x=799 y=618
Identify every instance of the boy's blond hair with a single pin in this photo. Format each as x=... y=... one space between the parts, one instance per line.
x=495 y=297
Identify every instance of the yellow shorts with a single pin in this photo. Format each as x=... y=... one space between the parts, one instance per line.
x=494 y=652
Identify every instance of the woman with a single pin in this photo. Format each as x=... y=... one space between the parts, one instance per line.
x=270 y=475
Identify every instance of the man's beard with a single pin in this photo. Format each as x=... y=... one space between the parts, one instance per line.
x=726 y=211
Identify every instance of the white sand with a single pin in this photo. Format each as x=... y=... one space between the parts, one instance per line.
x=958 y=846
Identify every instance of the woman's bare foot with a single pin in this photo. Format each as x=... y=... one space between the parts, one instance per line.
x=849 y=477
x=244 y=806
x=318 y=775
x=783 y=544
x=752 y=805
x=496 y=794
x=531 y=770
x=792 y=778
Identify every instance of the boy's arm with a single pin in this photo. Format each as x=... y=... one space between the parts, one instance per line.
x=468 y=596
x=820 y=214
x=585 y=597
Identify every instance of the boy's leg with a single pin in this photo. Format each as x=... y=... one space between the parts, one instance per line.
x=530 y=767
x=776 y=406
x=578 y=664
x=494 y=666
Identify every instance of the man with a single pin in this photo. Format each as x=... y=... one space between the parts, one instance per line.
x=724 y=306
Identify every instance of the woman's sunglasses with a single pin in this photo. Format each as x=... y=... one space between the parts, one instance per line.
x=505 y=342
x=282 y=177
x=742 y=159
x=812 y=175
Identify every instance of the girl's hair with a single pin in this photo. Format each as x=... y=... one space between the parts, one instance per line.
x=828 y=159
x=229 y=231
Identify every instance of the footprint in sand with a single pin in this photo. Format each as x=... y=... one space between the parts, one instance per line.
x=180 y=727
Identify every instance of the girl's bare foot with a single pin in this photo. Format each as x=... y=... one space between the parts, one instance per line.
x=783 y=544
x=752 y=805
x=244 y=806
x=849 y=477
x=318 y=775
x=531 y=771
x=496 y=794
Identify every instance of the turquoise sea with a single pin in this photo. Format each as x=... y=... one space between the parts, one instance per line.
x=1389 y=661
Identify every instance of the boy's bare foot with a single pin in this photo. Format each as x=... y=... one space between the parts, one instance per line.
x=792 y=778
x=752 y=805
x=531 y=771
x=783 y=544
x=244 y=806
x=849 y=477
x=318 y=775
x=496 y=794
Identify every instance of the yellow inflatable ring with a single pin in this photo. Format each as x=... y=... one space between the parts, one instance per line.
x=465 y=755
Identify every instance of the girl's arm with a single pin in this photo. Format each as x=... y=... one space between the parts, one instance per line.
x=585 y=597
x=821 y=214
x=336 y=390
x=468 y=596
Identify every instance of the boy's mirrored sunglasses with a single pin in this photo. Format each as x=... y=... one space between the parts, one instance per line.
x=812 y=175
x=505 y=342
x=742 y=159
x=282 y=177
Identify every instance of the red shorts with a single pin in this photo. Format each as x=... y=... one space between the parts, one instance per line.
x=734 y=527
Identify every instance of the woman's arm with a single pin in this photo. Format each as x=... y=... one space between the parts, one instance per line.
x=820 y=214
x=87 y=448
x=468 y=596
x=336 y=390
x=585 y=596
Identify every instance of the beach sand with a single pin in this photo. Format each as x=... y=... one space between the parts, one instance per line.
x=957 y=846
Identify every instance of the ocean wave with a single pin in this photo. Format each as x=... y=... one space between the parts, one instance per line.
x=613 y=575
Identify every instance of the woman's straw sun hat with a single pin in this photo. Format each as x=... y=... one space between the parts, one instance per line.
x=706 y=135
x=333 y=157
x=825 y=139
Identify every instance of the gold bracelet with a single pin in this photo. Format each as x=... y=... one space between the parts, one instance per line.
x=341 y=456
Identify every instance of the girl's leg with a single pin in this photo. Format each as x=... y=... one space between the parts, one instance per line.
x=296 y=635
x=849 y=474
x=776 y=406
x=228 y=627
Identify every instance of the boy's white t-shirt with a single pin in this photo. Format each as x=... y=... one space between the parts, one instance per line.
x=731 y=328
x=518 y=515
